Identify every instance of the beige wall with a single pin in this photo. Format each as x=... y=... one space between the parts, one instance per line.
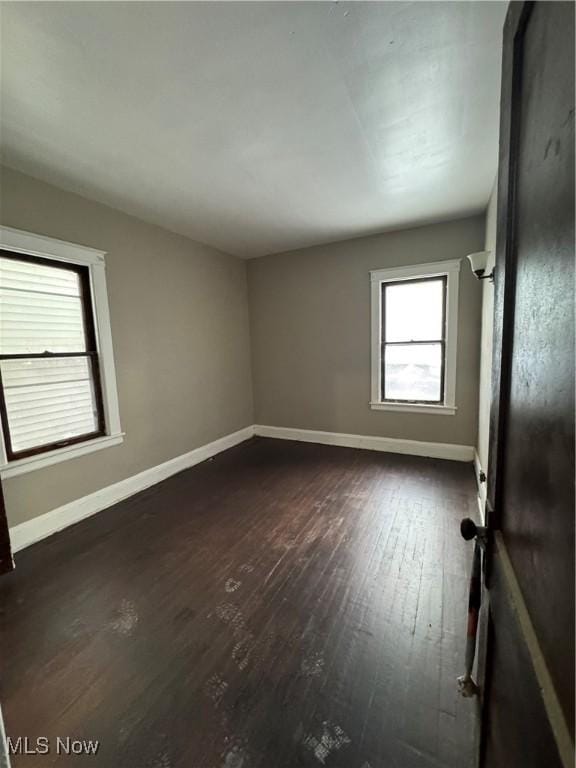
x=181 y=333
x=310 y=330
x=486 y=336
x=180 y=329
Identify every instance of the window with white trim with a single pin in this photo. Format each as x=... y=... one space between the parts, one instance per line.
x=414 y=337
x=57 y=381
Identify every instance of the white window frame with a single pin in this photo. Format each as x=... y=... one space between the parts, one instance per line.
x=449 y=269
x=19 y=241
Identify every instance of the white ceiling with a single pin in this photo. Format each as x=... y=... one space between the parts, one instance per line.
x=258 y=127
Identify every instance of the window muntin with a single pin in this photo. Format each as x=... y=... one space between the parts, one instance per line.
x=413 y=333
x=50 y=392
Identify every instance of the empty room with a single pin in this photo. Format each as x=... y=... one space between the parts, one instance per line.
x=287 y=384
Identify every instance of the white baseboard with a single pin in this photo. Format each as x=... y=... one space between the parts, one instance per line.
x=481 y=487
x=387 y=444
x=57 y=519
x=45 y=525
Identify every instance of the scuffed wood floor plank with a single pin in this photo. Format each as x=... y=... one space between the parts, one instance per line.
x=281 y=605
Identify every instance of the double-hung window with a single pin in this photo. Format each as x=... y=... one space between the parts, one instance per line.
x=57 y=383
x=414 y=337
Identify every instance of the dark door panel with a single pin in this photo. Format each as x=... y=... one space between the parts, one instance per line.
x=531 y=472
x=527 y=735
x=6 y=561
x=538 y=487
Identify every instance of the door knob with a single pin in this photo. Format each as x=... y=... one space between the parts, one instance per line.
x=469 y=530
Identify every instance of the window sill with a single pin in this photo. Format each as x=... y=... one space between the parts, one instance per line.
x=439 y=410
x=29 y=464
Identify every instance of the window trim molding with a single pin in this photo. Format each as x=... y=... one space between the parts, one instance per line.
x=451 y=270
x=91 y=354
x=19 y=241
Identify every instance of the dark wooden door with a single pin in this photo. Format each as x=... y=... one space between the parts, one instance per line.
x=529 y=693
x=6 y=561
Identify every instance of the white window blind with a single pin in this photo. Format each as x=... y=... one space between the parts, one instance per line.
x=48 y=358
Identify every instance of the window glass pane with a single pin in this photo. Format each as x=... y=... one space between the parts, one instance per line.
x=414 y=310
x=48 y=400
x=413 y=372
x=40 y=309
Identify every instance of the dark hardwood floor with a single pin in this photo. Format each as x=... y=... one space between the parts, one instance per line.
x=282 y=605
